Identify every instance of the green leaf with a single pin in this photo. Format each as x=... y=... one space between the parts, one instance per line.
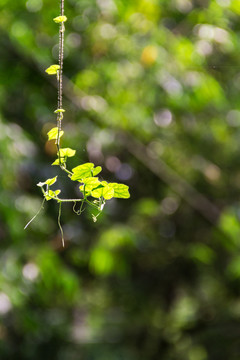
x=60 y=19
x=51 y=181
x=105 y=191
x=108 y=192
x=52 y=70
x=50 y=194
x=67 y=152
x=48 y=182
x=93 y=181
x=59 y=111
x=120 y=190
x=87 y=193
x=97 y=193
x=97 y=170
x=56 y=162
x=90 y=184
x=82 y=171
x=53 y=133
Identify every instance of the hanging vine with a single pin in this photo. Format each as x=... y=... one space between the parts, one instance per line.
x=94 y=192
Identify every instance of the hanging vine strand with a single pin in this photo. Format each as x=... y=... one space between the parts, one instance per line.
x=60 y=73
x=93 y=191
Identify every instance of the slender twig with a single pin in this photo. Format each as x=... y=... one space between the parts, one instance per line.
x=60 y=75
x=89 y=202
x=62 y=200
x=66 y=170
x=41 y=207
x=68 y=200
x=78 y=212
x=59 y=221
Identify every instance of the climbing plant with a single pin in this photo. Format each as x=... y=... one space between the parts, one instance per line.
x=93 y=191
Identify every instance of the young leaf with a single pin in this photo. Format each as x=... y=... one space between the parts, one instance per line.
x=85 y=191
x=51 y=194
x=82 y=171
x=53 y=133
x=67 y=152
x=52 y=70
x=59 y=111
x=56 y=162
x=93 y=181
x=105 y=191
x=51 y=181
x=48 y=182
x=60 y=19
x=90 y=183
x=120 y=190
x=97 y=170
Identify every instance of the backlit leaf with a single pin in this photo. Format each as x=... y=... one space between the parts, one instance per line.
x=82 y=171
x=51 y=181
x=67 y=152
x=60 y=19
x=105 y=191
x=53 y=133
x=51 y=194
x=108 y=192
x=56 y=162
x=52 y=70
x=97 y=170
x=59 y=111
x=120 y=190
x=85 y=191
x=90 y=183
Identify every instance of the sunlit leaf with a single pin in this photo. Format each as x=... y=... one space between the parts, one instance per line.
x=48 y=182
x=84 y=190
x=105 y=191
x=108 y=192
x=97 y=170
x=51 y=194
x=59 y=111
x=82 y=171
x=120 y=190
x=67 y=152
x=53 y=133
x=60 y=19
x=51 y=181
x=91 y=182
x=52 y=70
x=56 y=162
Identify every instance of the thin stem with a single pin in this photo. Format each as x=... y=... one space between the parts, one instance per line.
x=64 y=200
x=66 y=170
x=60 y=74
x=81 y=210
x=78 y=212
x=89 y=202
x=41 y=207
x=59 y=222
x=46 y=193
x=68 y=200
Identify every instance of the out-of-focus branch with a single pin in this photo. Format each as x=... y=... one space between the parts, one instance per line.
x=187 y=192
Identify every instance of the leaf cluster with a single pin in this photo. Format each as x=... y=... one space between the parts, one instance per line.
x=86 y=174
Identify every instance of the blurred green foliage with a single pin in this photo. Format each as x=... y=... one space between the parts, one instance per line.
x=151 y=93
